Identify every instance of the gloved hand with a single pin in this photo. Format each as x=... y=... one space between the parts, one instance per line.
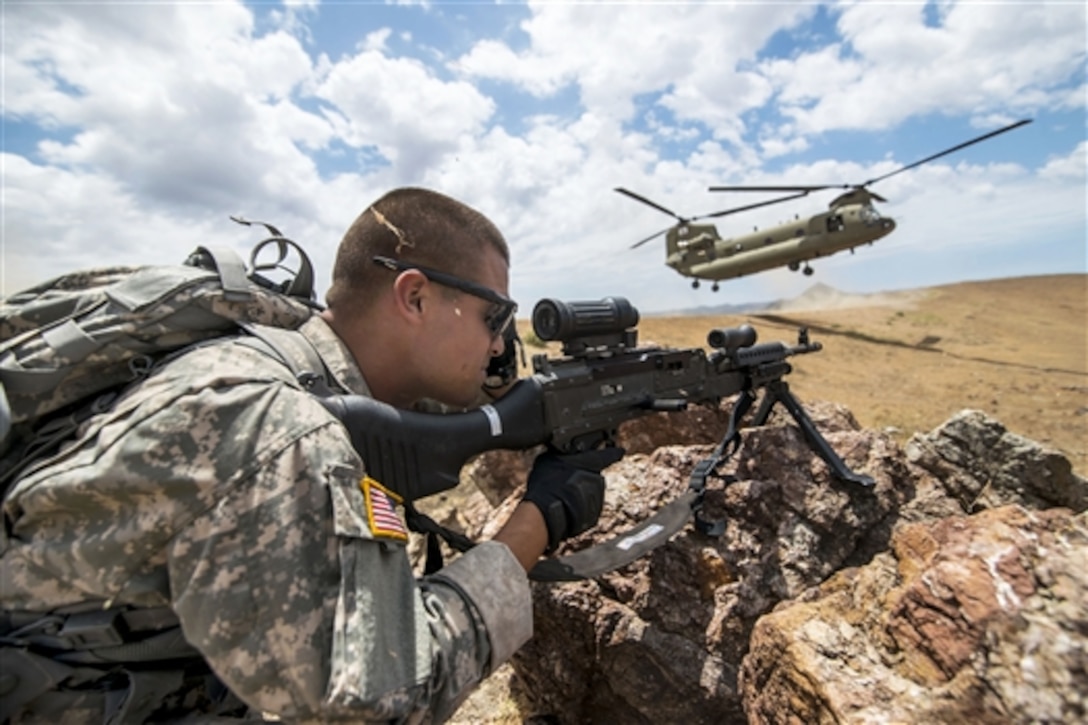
x=568 y=488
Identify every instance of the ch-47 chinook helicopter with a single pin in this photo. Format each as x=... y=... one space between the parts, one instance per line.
x=697 y=251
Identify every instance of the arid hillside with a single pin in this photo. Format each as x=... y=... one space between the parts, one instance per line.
x=1016 y=349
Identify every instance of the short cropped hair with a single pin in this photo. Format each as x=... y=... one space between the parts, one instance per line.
x=410 y=225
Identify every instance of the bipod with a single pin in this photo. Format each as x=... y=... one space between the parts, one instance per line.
x=777 y=391
x=659 y=528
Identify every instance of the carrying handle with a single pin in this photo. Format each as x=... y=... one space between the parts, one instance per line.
x=300 y=282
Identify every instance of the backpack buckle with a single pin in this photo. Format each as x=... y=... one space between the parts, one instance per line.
x=89 y=630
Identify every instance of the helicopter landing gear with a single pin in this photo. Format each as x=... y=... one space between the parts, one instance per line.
x=695 y=284
x=714 y=287
x=794 y=266
x=807 y=271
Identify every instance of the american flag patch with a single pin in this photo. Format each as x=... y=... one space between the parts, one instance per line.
x=381 y=510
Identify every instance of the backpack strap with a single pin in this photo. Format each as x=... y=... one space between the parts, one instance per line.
x=231 y=269
x=294 y=350
x=300 y=284
x=49 y=661
x=25 y=676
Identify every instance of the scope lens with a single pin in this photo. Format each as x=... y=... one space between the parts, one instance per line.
x=556 y=320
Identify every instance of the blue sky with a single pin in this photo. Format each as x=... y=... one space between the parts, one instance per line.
x=131 y=131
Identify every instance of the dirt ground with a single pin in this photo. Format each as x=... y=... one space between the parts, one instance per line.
x=906 y=361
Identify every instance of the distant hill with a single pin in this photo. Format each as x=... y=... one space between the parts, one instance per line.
x=819 y=296
x=724 y=309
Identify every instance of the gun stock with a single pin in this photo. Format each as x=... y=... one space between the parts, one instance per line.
x=421 y=454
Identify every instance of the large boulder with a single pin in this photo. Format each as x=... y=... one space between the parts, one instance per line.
x=979 y=618
x=976 y=462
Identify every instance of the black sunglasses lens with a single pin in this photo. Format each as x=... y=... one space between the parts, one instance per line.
x=499 y=316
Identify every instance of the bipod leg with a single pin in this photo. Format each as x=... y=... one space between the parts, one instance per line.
x=729 y=444
x=778 y=391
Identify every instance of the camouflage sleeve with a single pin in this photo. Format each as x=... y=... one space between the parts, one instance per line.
x=307 y=610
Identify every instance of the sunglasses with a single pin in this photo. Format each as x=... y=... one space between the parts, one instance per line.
x=499 y=315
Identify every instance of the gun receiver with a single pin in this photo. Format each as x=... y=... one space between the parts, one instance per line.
x=578 y=400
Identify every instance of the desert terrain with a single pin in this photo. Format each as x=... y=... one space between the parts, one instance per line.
x=905 y=361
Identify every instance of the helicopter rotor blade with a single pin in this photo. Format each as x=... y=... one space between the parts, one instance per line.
x=900 y=170
x=654 y=204
x=746 y=207
x=653 y=236
x=957 y=147
x=779 y=188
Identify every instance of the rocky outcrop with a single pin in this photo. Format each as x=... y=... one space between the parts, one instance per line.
x=974 y=461
x=979 y=619
x=951 y=590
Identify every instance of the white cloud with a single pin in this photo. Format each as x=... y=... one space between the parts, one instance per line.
x=377 y=40
x=1069 y=169
x=400 y=106
x=892 y=66
x=179 y=107
x=689 y=53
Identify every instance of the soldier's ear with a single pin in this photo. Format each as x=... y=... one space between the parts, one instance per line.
x=409 y=292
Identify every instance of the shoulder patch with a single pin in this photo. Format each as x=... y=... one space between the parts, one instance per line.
x=381 y=510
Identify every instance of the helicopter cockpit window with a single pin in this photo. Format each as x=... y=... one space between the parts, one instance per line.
x=869 y=215
x=834 y=223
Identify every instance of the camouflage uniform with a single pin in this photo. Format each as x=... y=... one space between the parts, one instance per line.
x=220 y=488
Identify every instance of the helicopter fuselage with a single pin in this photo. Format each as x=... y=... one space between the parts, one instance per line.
x=696 y=250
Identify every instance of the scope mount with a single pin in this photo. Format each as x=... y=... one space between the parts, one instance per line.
x=601 y=345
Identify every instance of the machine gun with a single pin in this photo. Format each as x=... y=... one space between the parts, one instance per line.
x=578 y=401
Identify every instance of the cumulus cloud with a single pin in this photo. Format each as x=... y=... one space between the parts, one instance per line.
x=400 y=106
x=891 y=64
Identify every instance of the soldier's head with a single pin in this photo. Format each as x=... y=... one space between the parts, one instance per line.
x=409 y=226
x=420 y=268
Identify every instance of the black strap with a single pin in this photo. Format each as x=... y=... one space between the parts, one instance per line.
x=620 y=550
x=421 y=523
x=24 y=677
x=709 y=466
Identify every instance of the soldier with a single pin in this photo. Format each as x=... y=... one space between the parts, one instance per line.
x=220 y=494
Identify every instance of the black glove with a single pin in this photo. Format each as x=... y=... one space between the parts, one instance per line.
x=568 y=488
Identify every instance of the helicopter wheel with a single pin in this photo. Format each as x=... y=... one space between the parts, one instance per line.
x=695 y=284
x=794 y=266
x=714 y=287
x=807 y=271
